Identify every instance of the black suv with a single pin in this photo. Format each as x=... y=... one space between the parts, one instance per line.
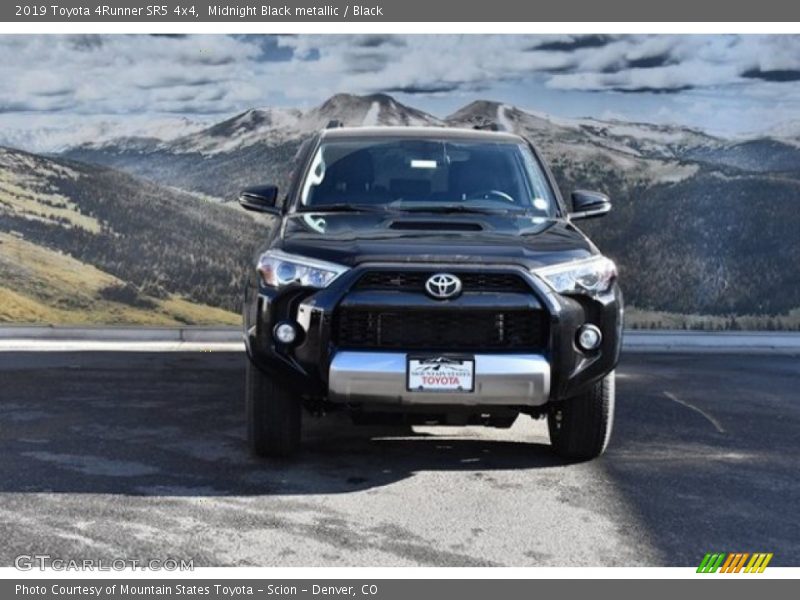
x=429 y=275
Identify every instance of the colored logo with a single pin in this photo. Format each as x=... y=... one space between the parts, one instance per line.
x=734 y=562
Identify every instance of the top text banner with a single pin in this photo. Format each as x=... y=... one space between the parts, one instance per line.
x=189 y=11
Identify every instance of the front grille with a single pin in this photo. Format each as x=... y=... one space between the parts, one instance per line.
x=443 y=329
x=414 y=281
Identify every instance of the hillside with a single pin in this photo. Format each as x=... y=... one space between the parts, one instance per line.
x=136 y=244
x=39 y=285
x=689 y=236
x=219 y=176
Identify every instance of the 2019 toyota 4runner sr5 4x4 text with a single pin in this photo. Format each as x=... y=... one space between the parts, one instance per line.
x=429 y=275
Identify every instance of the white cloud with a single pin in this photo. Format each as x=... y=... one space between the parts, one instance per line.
x=216 y=74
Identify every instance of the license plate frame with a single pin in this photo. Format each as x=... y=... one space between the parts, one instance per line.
x=461 y=366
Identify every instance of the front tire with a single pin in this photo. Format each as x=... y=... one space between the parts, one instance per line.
x=274 y=415
x=580 y=427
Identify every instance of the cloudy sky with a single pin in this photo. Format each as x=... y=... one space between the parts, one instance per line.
x=726 y=84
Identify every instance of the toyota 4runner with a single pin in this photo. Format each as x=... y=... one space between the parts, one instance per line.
x=429 y=275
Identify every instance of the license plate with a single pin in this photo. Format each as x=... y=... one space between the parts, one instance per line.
x=440 y=374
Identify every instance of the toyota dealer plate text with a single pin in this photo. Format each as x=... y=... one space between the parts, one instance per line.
x=440 y=374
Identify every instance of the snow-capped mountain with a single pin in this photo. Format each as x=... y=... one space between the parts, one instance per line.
x=636 y=139
x=788 y=131
x=367 y=111
x=658 y=153
x=641 y=151
x=54 y=135
x=260 y=143
x=247 y=149
x=274 y=126
x=265 y=126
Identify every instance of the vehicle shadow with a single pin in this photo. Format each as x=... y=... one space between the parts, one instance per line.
x=173 y=425
x=704 y=455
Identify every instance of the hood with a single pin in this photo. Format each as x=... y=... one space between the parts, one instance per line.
x=354 y=238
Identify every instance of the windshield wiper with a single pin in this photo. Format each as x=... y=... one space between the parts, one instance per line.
x=343 y=207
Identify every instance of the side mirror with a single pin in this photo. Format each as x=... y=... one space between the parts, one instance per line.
x=586 y=205
x=261 y=199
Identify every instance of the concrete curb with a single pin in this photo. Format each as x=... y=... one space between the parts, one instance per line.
x=24 y=338
x=717 y=342
x=121 y=334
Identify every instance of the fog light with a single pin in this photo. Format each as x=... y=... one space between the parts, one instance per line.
x=285 y=333
x=589 y=337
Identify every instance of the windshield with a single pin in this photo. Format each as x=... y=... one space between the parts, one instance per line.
x=401 y=174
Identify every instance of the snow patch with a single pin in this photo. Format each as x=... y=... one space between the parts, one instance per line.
x=371 y=118
x=502 y=118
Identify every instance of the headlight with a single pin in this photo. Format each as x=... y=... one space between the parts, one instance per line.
x=279 y=269
x=590 y=276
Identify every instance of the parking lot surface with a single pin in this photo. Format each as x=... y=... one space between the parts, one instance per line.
x=141 y=455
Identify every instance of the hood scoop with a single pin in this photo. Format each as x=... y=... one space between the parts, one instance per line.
x=432 y=225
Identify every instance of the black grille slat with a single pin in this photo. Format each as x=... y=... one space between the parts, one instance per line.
x=453 y=330
x=494 y=282
x=415 y=281
x=388 y=280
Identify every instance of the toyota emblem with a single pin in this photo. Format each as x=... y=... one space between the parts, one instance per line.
x=443 y=286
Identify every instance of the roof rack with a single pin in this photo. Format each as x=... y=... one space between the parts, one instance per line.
x=334 y=124
x=488 y=126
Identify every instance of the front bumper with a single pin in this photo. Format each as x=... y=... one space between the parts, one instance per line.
x=324 y=371
x=380 y=377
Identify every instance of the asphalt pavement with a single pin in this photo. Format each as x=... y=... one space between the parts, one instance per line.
x=142 y=455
